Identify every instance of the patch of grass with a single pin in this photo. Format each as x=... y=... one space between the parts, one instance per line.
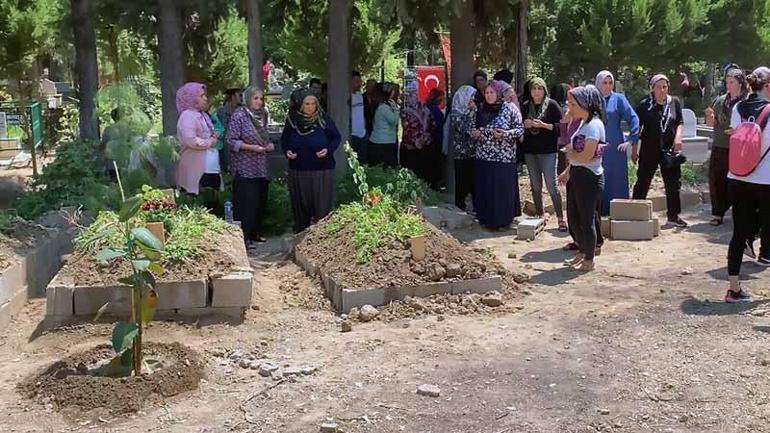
x=375 y=223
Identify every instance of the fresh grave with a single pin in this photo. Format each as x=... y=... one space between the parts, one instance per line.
x=205 y=267
x=380 y=250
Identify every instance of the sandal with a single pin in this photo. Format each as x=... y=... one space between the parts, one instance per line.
x=578 y=259
x=716 y=221
x=563 y=227
x=585 y=266
x=572 y=246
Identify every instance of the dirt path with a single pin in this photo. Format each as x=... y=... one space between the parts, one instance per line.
x=642 y=345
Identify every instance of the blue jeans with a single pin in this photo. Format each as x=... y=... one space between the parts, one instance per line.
x=541 y=166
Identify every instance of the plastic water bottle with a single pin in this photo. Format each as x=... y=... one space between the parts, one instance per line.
x=229 y=211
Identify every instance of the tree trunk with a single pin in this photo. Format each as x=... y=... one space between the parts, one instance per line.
x=463 y=43
x=171 y=60
x=463 y=40
x=339 y=72
x=88 y=73
x=522 y=43
x=256 y=53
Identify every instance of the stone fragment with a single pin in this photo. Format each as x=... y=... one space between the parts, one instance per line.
x=429 y=390
x=368 y=313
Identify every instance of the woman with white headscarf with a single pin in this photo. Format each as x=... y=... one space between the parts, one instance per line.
x=660 y=117
x=461 y=119
x=615 y=159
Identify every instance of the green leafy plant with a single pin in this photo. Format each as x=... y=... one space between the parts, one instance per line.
x=143 y=251
x=377 y=217
x=8 y=221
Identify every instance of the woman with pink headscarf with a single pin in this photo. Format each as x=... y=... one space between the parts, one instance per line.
x=199 y=159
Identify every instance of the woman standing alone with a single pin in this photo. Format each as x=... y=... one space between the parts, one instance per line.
x=250 y=143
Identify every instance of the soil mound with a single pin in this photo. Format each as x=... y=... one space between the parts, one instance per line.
x=68 y=388
x=19 y=240
x=220 y=258
x=391 y=264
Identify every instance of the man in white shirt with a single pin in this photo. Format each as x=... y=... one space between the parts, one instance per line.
x=357 y=118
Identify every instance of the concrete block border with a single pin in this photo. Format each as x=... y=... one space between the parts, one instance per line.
x=344 y=299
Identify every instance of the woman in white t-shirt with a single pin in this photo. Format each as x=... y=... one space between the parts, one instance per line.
x=584 y=175
x=750 y=195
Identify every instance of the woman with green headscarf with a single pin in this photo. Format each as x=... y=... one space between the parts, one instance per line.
x=542 y=116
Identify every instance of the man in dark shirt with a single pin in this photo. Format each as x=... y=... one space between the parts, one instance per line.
x=660 y=118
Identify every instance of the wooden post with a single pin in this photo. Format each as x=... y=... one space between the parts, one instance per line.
x=339 y=71
x=171 y=60
x=256 y=53
x=522 y=43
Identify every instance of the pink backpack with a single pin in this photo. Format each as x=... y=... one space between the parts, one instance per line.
x=746 y=145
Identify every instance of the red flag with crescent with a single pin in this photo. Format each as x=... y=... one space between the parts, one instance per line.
x=429 y=78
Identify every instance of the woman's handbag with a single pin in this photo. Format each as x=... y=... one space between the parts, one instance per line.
x=671 y=159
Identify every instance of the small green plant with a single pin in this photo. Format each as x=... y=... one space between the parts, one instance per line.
x=8 y=221
x=375 y=218
x=143 y=251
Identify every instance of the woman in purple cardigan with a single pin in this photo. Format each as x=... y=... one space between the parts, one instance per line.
x=250 y=143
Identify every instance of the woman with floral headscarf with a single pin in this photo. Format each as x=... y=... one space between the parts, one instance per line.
x=496 y=129
x=542 y=116
x=585 y=175
x=416 y=126
x=461 y=119
x=308 y=141
x=198 y=158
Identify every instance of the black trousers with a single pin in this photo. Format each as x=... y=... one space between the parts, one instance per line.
x=649 y=161
x=382 y=154
x=584 y=193
x=751 y=214
x=463 y=181
x=360 y=146
x=250 y=204
x=718 y=169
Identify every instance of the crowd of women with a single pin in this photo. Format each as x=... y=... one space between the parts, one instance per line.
x=572 y=136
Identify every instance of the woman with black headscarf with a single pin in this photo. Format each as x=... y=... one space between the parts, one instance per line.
x=496 y=129
x=308 y=141
x=585 y=175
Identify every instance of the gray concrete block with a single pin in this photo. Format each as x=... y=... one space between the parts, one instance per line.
x=530 y=228
x=182 y=294
x=447 y=217
x=480 y=285
x=631 y=210
x=233 y=290
x=89 y=299
x=59 y=300
x=633 y=230
x=11 y=307
x=658 y=203
x=606 y=232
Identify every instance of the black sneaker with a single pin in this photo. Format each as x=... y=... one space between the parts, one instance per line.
x=735 y=297
x=748 y=250
x=763 y=261
x=678 y=222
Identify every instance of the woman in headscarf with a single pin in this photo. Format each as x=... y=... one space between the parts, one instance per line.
x=496 y=129
x=198 y=165
x=660 y=118
x=585 y=175
x=567 y=126
x=249 y=143
x=542 y=116
x=615 y=159
x=383 y=143
x=309 y=140
x=416 y=126
x=462 y=118
x=718 y=117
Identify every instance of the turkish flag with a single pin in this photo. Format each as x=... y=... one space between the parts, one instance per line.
x=429 y=78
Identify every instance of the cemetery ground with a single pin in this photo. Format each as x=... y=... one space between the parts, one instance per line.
x=643 y=344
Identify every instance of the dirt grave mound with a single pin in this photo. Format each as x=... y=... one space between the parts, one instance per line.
x=391 y=264
x=22 y=238
x=71 y=387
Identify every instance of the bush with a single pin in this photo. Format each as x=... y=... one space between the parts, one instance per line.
x=278 y=213
x=401 y=184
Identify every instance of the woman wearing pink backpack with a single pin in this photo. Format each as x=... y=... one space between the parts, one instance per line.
x=749 y=178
